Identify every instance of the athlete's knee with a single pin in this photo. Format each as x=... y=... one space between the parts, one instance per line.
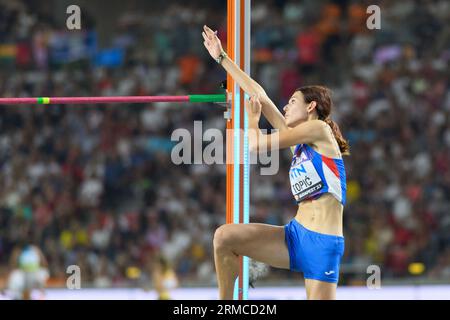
x=223 y=237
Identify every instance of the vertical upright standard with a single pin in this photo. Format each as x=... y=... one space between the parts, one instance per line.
x=238 y=169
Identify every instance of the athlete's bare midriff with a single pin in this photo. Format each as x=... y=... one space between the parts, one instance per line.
x=323 y=215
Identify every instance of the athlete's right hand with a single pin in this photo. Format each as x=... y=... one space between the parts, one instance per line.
x=253 y=107
x=212 y=42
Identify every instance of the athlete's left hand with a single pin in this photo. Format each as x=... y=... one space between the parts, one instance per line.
x=253 y=107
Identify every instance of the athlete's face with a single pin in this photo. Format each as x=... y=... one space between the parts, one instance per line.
x=297 y=110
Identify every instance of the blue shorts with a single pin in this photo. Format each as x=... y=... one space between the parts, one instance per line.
x=315 y=254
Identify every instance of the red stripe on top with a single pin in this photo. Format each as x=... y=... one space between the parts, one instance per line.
x=332 y=165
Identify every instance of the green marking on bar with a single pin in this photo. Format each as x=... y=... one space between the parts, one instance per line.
x=207 y=98
x=43 y=100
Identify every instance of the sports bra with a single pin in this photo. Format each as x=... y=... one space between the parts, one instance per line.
x=313 y=174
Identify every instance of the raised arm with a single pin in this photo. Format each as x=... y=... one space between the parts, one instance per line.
x=307 y=132
x=250 y=86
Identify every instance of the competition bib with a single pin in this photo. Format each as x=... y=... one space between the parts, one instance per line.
x=304 y=178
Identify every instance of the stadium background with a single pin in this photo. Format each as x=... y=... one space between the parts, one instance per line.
x=94 y=186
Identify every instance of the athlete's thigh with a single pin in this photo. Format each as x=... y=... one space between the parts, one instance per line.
x=261 y=242
x=320 y=290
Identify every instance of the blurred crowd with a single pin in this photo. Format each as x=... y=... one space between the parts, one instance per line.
x=95 y=186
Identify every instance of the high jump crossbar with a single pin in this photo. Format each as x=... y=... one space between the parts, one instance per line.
x=213 y=98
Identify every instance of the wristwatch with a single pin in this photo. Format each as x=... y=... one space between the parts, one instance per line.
x=221 y=57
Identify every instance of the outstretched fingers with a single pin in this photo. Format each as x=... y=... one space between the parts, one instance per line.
x=205 y=37
x=211 y=34
x=208 y=30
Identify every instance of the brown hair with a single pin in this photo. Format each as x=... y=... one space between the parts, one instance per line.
x=322 y=96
